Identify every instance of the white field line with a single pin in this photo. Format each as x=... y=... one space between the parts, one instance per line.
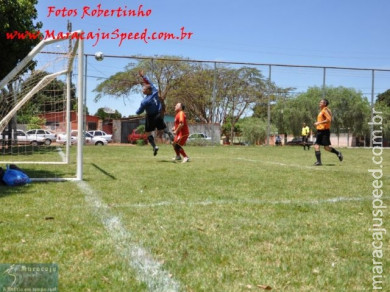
x=238 y=202
x=280 y=163
x=148 y=270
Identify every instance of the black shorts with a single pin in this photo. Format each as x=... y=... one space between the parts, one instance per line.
x=304 y=139
x=323 y=137
x=154 y=121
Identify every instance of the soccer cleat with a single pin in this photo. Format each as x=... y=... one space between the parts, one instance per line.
x=155 y=150
x=340 y=156
x=317 y=163
x=176 y=158
x=185 y=159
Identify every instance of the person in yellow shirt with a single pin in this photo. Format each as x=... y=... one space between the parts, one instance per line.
x=324 y=120
x=305 y=136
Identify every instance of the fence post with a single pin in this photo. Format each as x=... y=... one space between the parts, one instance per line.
x=269 y=107
x=372 y=103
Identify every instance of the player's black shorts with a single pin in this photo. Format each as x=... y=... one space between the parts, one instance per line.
x=323 y=137
x=154 y=121
x=304 y=139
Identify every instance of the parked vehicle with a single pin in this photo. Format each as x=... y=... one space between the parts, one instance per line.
x=22 y=138
x=62 y=138
x=135 y=135
x=95 y=140
x=41 y=135
x=102 y=134
x=197 y=136
x=89 y=139
x=298 y=141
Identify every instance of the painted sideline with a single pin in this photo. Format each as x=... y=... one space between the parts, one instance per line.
x=148 y=270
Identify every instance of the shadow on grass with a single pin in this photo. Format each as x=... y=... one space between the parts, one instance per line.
x=7 y=190
x=103 y=171
x=169 y=160
x=26 y=150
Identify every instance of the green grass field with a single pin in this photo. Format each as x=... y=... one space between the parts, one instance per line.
x=232 y=219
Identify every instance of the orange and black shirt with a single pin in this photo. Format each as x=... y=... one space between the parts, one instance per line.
x=324 y=115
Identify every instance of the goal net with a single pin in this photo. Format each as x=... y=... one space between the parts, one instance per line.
x=42 y=111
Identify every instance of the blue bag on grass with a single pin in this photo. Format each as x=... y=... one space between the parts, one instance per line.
x=15 y=177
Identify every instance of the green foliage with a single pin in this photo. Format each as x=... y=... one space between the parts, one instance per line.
x=104 y=116
x=209 y=95
x=163 y=73
x=384 y=98
x=118 y=85
x=254 y=130
x=48 y=99
x=270 y=94
x=141 y=129
x=140 y=142
x=36 y=123
x=384 y=110
x=349 y=108
x=19 y=16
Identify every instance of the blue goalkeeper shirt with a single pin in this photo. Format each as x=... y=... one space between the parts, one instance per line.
x=151 y=103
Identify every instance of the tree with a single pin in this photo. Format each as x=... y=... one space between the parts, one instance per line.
x=16 y=15
x=270 y=93
x=163 y=72
x=253 y=129
x=382 y=105
x=103 y=115
x=289 y=113
x=349 y=108
x=195 y=91
x=384 y=98
x=242 y=88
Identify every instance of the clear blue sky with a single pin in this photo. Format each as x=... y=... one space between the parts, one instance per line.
x=343 y=33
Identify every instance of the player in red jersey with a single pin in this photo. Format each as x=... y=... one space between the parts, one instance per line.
x=181 y=132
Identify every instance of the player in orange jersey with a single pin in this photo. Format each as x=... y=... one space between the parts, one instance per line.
x=324 y=120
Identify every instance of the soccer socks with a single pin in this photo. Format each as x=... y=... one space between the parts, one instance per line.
x=338 y=153
x=334 y=151
x=179 y=150
x=318 y=156
x=151 y=141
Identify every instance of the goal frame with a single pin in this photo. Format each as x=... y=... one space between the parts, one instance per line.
x=78 y=50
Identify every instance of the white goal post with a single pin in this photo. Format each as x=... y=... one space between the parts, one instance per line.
x=45 y=75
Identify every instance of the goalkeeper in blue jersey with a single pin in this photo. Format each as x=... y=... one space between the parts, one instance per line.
x=151 y=104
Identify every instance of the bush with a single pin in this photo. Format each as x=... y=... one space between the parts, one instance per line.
x=140 y=142
x=141 y=129
x=254 y=130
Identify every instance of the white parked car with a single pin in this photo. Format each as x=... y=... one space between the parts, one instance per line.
x=62 y=138
x=22 y=138
x=98 y=133
x=89 y=140
x=41 y=135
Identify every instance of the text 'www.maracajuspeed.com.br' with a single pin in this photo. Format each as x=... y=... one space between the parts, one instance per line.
x=98 y=35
